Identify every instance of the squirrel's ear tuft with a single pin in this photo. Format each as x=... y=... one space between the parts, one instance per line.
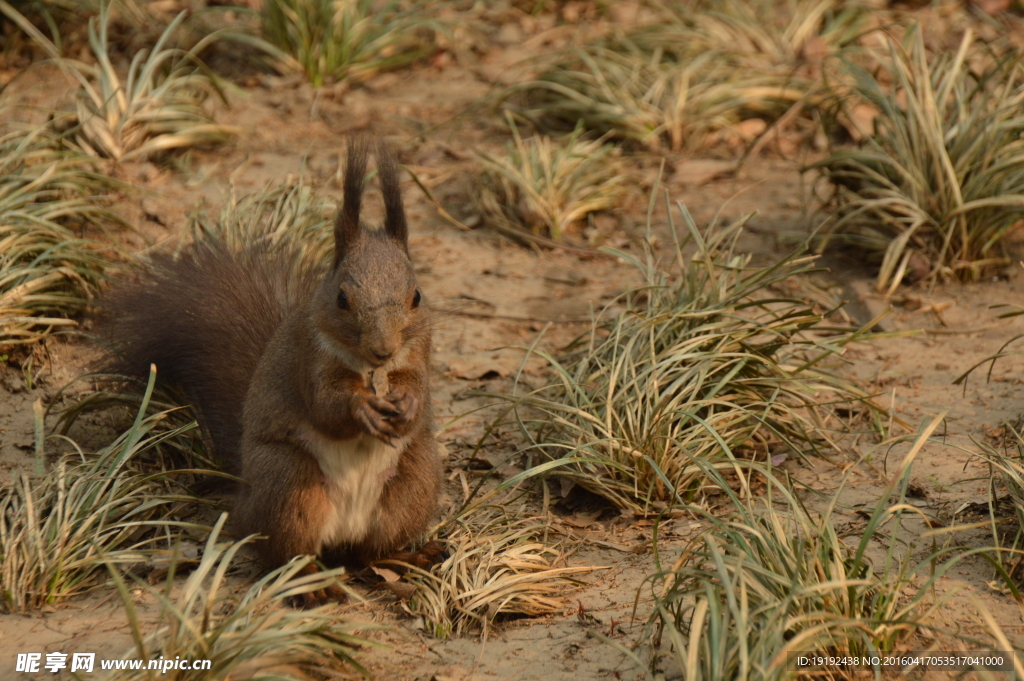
x=394 y=213
x=346 y=224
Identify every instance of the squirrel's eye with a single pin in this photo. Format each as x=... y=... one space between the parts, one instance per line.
x=416 y=299
x=342 y=300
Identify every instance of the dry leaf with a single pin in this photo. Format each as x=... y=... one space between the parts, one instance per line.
x=386 y=574
x=992 y=6
x=698 y=172
x=403 y=590
x=750 y=128
x=862 y=121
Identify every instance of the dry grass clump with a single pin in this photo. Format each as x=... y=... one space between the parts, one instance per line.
x=1006 y=494
x=764 y=584
x=544 y=187
x=938 y=182
x=256 y=636
x=58 y=530
x=48 y=272
x=287 y=214
x=46 y=276
x=620 y=91
x=499 y=566
x=698 y=69
x=158 y=106
x=698 y=365
x=65 y=20
x=336 y=40
x=783 y=33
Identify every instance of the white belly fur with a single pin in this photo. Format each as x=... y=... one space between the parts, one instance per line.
x=355 y=472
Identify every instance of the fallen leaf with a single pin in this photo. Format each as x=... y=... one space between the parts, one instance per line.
x=992 y=6
x=386 y=574
x=750 y=128
x=814 y=49
x=861 y=121
x=698 y=172
x=917 y=491
x=156 y=576
x=403 y=590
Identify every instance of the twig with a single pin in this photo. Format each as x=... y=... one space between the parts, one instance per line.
x=510 y=318
x=980 y=329
x=437 y=204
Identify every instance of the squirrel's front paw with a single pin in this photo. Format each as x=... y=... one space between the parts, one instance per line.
x=374 y=415
x=406 y=409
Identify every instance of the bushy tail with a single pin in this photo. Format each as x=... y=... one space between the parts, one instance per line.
x=204 y=318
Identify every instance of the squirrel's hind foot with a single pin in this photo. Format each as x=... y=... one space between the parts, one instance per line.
x=312 y=599
x=430 y=554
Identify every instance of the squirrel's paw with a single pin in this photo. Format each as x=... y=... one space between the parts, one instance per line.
x=406 y=407
x=312 y=599
x=430 y=554
x=373 y=414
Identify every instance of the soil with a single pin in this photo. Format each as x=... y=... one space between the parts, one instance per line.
x=499 y=295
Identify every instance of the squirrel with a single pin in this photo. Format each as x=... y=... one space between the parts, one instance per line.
x=310 y=381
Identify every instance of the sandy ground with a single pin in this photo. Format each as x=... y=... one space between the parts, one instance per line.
x=500 y=294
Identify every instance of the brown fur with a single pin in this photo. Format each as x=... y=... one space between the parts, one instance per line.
x=275 y=363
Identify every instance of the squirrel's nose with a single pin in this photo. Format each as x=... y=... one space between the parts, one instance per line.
x=383 y=349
